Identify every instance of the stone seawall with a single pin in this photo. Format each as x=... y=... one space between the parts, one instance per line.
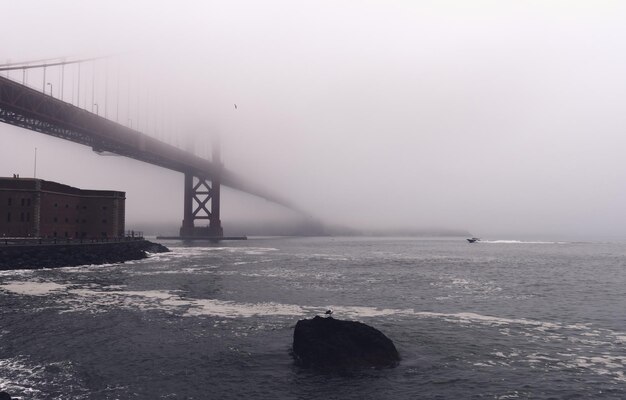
x=67 y=255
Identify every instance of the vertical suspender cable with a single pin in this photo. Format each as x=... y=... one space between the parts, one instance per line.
x=106 y=87
x=78 y=91
x=62 y=79
x=137 y=94
x=117 y=102
x=73 y=86
x=93 y=84
x=128 y=104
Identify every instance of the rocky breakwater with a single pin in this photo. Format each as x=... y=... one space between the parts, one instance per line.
x=36 y=256
x=329 y=343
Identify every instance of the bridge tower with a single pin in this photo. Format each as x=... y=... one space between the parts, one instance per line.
x=199 y=191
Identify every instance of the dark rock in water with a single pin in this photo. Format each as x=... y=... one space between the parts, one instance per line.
x=335 y=344
x=4 y=396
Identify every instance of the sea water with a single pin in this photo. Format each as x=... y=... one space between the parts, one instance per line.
x=491 y=320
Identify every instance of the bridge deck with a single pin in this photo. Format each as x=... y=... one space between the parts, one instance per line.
x=31 y=109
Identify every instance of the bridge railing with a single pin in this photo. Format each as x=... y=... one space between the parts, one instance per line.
x=134 y=234
x=30 y=241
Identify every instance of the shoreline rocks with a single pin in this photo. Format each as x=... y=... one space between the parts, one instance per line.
x=69 y=255
x=329 y=343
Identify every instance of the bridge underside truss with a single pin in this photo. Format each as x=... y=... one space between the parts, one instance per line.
x=30 y=109
x=39 y=125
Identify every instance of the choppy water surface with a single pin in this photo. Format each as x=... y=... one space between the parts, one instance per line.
x=499 y=320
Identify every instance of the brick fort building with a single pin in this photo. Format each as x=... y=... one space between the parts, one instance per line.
x=38 y=208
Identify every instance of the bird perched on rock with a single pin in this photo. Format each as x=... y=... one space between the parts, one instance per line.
x=329 y=312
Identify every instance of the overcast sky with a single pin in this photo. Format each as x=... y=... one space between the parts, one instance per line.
x=505 y=118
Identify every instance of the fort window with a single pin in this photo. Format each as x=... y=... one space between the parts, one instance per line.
x=56 y=204
x=67 y=206
x=27 y=217
x=104 y=221
x=10 y=200
x=67 y=220
x=104 y=207
x=55 y=234
x=22 y=217
x=66 y=234
x=55 y=219
x=8 y=217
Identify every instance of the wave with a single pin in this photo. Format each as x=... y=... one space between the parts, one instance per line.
x=32 y=288
x=21 y=376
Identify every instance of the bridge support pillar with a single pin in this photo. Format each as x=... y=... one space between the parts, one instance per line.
x=198 y=193
x=188 y=225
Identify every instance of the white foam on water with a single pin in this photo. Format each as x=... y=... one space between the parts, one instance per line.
x=32 y=288
x=475 y=286
x=465 y=317
x=81 y=269
x=327 y=257
x=100 y=300
x=95 y=301
x=514 y=395
x=250 y=250
x=603 y=365
x=188 y=253
x=369 y=312
x=584 y=356
x=20 y=375
x=252 y=262
x=23 y=376
x=197 y=270
x=231 y=309
x=17 y=272
x=481 y=364
x=620 y=338
x=579 y=326
x=542 y=357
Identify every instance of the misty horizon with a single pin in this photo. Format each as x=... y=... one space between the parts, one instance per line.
x=499 y=119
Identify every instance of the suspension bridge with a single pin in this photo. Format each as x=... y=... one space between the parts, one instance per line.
x=80 y=100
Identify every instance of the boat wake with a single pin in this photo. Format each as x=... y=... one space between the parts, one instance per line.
x=518 y=242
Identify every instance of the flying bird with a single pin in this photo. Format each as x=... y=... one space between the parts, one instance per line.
x=235 y=106
x=329 y=312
